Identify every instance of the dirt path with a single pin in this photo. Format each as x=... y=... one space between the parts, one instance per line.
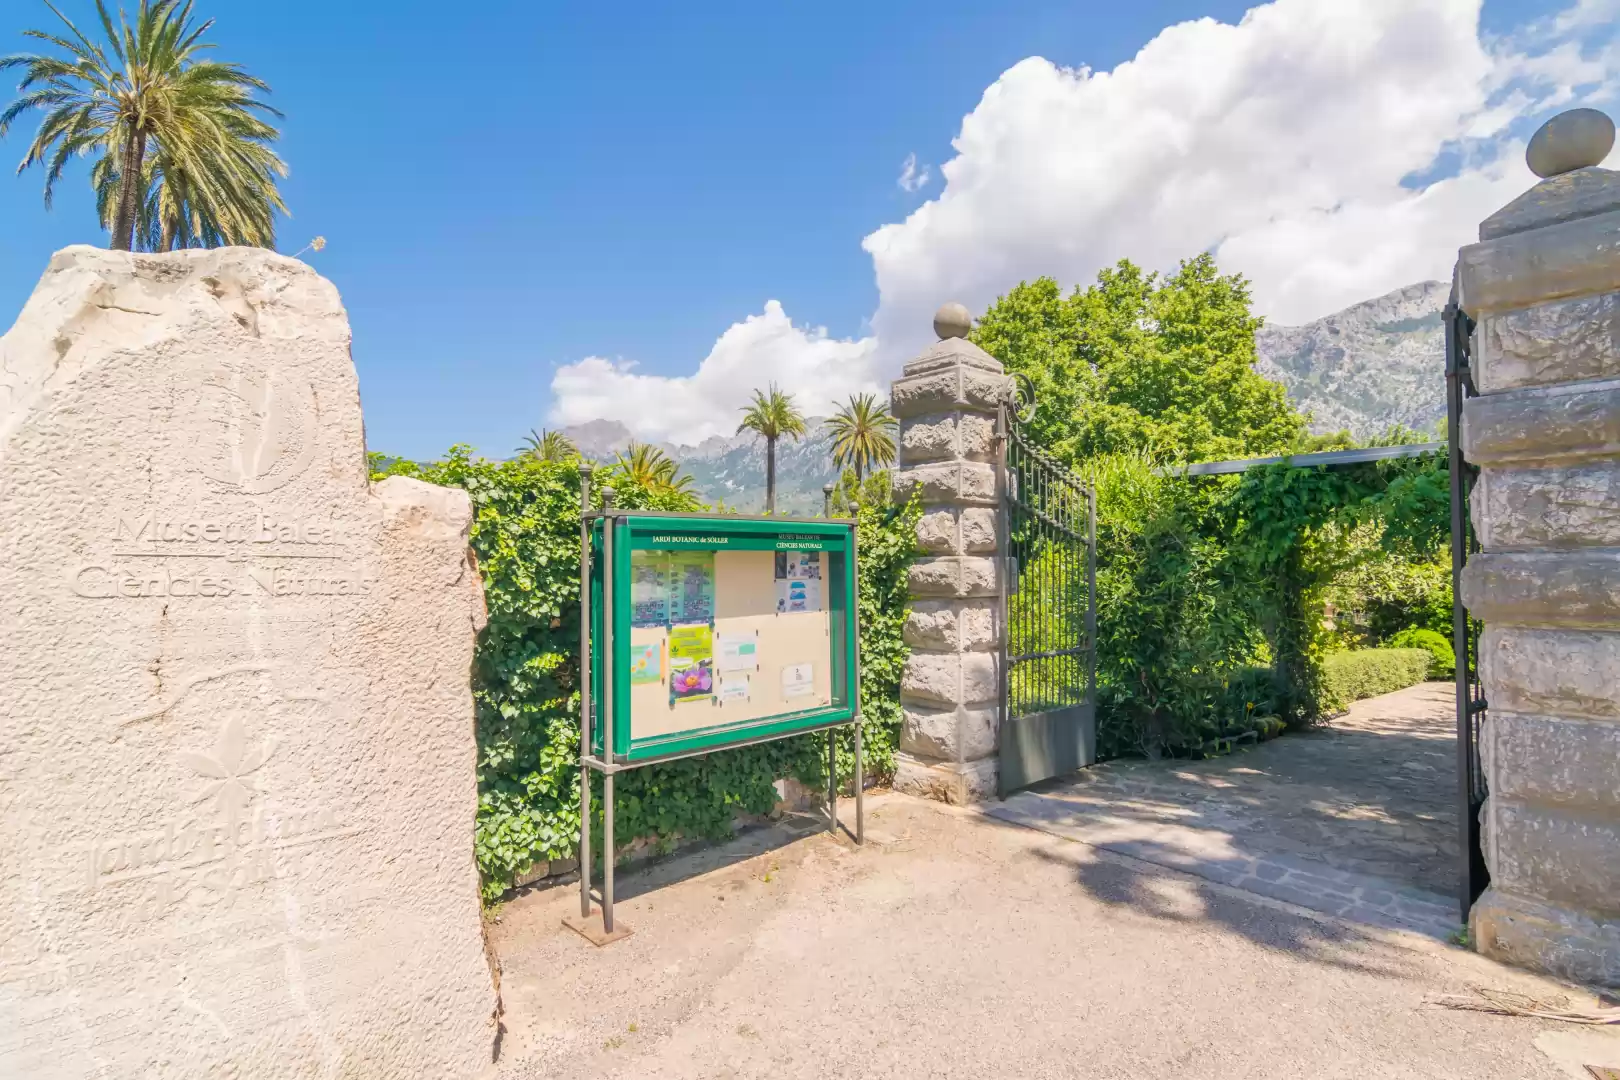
x=955 y=945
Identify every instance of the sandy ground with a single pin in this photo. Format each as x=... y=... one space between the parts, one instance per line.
x=956 y=945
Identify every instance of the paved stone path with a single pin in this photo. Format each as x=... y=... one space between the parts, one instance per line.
x=1357 y=819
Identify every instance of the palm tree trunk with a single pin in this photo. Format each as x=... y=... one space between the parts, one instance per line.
x=129 y=191
x=770 y=475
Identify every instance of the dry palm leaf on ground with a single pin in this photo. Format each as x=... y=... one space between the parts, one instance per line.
x=1508 y=1003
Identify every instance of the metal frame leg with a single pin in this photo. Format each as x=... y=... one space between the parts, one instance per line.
x=860 y=788
x=832 y=781
x=584 y=840
x=607 y=853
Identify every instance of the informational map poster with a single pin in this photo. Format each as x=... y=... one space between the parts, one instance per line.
x=691 y=586
x=798 y=680
x=649 y=588
x=691 y=663
x=647 y=663
x=739 y=652
x=798 y=581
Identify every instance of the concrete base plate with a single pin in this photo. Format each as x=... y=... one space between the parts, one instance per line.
x=591 y=928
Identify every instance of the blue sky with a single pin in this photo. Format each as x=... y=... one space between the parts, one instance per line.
x=528 y=185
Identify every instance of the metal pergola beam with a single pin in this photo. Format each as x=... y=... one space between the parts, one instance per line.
x=1326 y=459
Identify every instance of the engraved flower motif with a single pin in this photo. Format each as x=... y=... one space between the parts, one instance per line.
x=228 y=768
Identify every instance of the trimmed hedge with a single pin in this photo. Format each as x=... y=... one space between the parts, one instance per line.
x=1417 y=637
x=1364 y=673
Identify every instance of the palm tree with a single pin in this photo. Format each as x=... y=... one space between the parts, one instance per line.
x=184 y=154
x=863 y=435
x=650 y=468
x=772 y=415
x=545 y=445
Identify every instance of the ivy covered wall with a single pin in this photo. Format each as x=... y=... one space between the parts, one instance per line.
x=525 y=533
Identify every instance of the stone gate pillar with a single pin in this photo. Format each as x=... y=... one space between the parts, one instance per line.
x=946 y=400
x=1543 y=284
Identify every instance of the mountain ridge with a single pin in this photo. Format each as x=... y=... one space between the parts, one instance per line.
x=1372 y=365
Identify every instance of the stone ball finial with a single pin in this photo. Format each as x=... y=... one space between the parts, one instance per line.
x=1572 y=140
x=952 y=320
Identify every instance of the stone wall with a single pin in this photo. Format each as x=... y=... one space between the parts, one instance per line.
x=1543 y=284
x=946 y=401
x=237 y=788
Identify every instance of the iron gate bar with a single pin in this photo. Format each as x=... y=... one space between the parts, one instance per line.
x=1473 y=876
x=1046 y=525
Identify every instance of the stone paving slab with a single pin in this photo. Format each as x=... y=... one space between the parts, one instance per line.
x=1356 y=820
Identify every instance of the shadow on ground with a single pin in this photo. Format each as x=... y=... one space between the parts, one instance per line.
x=1357 y=819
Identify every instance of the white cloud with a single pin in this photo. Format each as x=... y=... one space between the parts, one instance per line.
x=765 y=348
x=1330 y=150
x=913 y=178
x=1286 y=144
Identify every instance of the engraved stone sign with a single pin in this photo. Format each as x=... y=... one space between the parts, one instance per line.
x=237 y=788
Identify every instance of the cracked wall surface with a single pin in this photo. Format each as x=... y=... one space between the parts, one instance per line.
x=237 y=789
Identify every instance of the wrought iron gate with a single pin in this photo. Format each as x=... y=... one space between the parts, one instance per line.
x=1472 y=874
x=1048 y=530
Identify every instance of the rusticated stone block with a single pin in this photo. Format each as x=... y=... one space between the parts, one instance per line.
x=978 y=483
x=931 y=624
x=935 y=483
x=956 y=482
x=953 y=575
x=933 y=678
x=1554 y=672
x=1543 y=425
x=938 y=533
x=978 y=525
x=935 y=577
x=920 y=395
x=976 y=437
x=976 y=626
x=960 y=734
x=947 y=782
x=1553 y=760
x=950 y=389
x=929 y=438
x=1575 y=258
x=1568 y=944
x=1564 y=506
x=1561 y=855
x=1544 y=588
x=1564 y=341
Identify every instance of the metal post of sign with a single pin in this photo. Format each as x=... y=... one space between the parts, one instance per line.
x=607 y=852
x=584 y=690
x=855 y=687
x=607 y=710
x=832 y=780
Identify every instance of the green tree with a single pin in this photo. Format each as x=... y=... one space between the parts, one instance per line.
x=772 y=415
x=545 y=445
x=182 y=146
x=649 y=468
x=1140 y=363
x=863 y=434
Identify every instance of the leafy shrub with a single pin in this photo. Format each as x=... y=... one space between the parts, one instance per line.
x=1170 y=630
x=1445 y=658
x=1364 y=673
x=525 y=676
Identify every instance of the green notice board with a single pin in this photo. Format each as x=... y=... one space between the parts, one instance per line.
x=708 y=631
